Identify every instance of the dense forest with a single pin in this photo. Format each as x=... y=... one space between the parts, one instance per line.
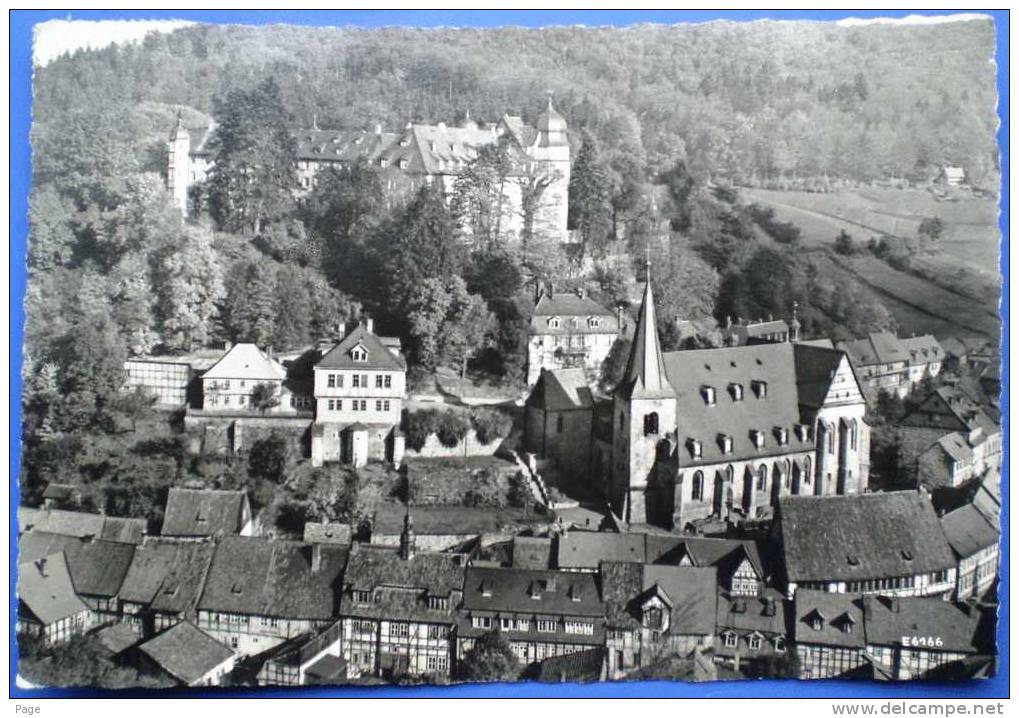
x=664 y=121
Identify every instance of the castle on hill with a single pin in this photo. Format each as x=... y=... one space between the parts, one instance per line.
x=534 y=199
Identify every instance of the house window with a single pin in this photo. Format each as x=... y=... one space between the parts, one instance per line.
x=559 y=423
x=359 y=353
x=364 y=405
x=399 y=630
x=697 y=490
x=357 y=381
x=695 y=448
x=758 y=437
x=362 y=596
x=554 y=322
x=385 y=405
x=582 y=628
x=708 y=392
x=388 y=381
x=726 y=444
x=755 y=642
x=737 y=391
x=779 y=644
x=545 y=626
x=594 y=322
x=651 y=424
x=817 y=623
x=378 y=405
x=760 y=389
x=364 y=380
x=730 y=640
x=438 y=603
x=378 y=381
x=653 y=618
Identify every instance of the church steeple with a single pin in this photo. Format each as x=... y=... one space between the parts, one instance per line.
x=645 y=376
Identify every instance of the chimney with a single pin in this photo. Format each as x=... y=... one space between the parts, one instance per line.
x=316 y=557
x=619 y=316
x=369 y=325
x=378 y=129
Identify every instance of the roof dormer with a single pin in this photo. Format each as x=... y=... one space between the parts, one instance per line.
x=736 y=391
x=760 y=389
x=359 y=353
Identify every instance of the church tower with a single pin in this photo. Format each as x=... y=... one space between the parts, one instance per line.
x=552 y=147
x=178 y=165
x=644 y=412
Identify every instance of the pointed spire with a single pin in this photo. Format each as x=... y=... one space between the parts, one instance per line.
x=645 y=376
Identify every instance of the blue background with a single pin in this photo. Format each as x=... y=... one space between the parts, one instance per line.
x=21 y=23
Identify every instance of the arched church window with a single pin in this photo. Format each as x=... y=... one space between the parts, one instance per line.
x=852 y=435
x=762 y=477
x=650 y=423
x=697 y=488
x=807 y=472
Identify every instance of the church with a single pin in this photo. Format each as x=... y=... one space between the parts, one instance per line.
x=534 y=197
x=723 y=433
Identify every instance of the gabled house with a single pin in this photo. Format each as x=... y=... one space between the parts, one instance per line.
x=889 y=542
x=828 y=630
x=48 y=606
x=974 y=538
x=655 y=610
x=188 y=655
x=163 y=583
x=749 y=628
x=913 y=638
x=543 y=614
x=558 y=419
x=569 y=330
x=81 y=524
x=741 y=572
x=398 y=609
x=246 y=380
x=97 y=567
x=204 y=513
x=260 y=592
x=359 y=390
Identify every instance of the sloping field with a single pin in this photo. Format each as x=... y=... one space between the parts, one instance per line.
x=971 y=232
x=918 y=304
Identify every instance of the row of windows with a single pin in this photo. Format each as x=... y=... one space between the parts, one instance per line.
x=754 y=641
x=359 y=381
x=574 y=322
x=542 y=625
x=357 y=405
x=697 y=488
x=402 y=630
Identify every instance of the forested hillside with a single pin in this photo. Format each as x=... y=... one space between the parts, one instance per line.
x=734 y=98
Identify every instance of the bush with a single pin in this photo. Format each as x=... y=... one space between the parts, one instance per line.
x=451 y=429
x=490 y=424
x=844 y=243
x=784 y=232
x=417 y=426
x=487 y=489
x=519 y=494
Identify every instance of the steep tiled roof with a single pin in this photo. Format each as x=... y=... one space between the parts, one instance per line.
x=532 y=552
x=327 y=533
x=876 y=348
x=97 y=567
x=764 y=613
x=862 y=536
x=246 y=361
x=401 y=587
x=924 y=349
x=692 y=592
x=689 y=372
x=725 y=554
x=263 y=577
x=81 y=524
x=836 y=611
x=960 y=628
x=517 y=590
x=815 y=368
x=186 y=652
x=956 y=446
x=204 y=512
x=45 y=587
x=561 y=390
x=379 y=356
x=586 y=549
x=167 y=575
x=569 y=304
x=969 y=531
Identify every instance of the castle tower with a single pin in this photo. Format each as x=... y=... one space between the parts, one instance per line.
x=408 y=544
x=644 y=412
x=794 y=324
x=178 y=167
x=552 y=147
